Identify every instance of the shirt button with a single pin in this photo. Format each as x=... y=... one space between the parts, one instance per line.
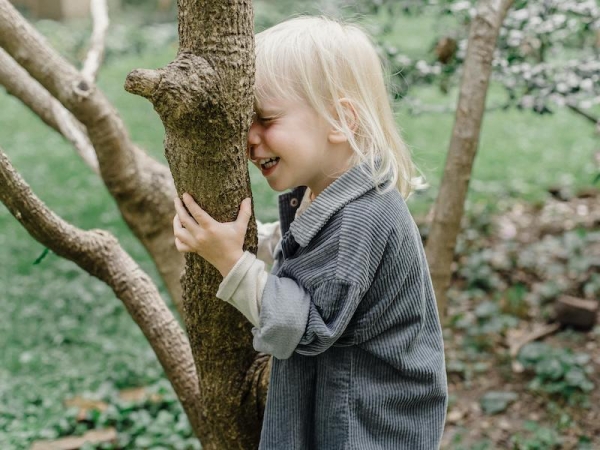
x=294 y=202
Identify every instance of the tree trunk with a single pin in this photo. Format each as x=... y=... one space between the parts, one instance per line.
x=205 y=99
x=449 y=205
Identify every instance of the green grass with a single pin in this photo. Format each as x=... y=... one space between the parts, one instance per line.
x=64 y=333
x=521 y=154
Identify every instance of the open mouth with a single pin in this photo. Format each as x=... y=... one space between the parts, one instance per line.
x=267 y=164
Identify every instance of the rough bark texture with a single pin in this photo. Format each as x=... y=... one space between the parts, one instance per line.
x=204 y=99
x=142 y=187
x=449 y=205
x=99 y=253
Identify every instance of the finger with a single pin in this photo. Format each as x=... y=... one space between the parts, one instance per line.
x=245 y=213
x=177 y=223
x=185 y=219
x=182 y=247
x=243 y=218
x=181 y=233
x=201 y=216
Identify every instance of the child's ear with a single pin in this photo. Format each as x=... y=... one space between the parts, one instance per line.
x=347 y=121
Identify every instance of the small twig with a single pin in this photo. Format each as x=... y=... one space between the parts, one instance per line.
x=516 y=346
x=96 y=51
x=587 y=115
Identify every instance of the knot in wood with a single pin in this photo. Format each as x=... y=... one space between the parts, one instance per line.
x=187 y=90
x=82 y=88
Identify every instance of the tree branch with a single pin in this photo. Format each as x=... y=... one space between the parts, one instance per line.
x=177 y=90
x=142 y=187
x=19 y=84
x=99 y=253
x=143 y=82
x=96 y=52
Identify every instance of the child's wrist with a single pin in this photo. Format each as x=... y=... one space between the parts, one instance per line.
x=226 y=265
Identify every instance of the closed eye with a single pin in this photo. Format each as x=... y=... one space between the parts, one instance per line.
x=266 y=120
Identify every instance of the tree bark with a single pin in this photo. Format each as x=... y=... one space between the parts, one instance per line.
x=21 y=85
x=95 y=54
x=98 y=253
x=142 y=188
x=449 y=205
x=205 y=100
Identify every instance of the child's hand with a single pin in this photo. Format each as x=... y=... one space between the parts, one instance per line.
x=221 y=244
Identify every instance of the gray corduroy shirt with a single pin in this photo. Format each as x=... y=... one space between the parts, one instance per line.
x=350 y=317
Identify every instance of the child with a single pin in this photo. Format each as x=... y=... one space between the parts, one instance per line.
x=348 y=311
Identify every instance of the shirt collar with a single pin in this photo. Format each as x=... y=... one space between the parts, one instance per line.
x=351 y=185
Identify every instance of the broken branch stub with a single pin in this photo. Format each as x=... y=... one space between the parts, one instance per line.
x=576 y=312
x=178 y=91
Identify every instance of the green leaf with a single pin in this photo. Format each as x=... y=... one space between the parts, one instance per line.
x=42 y=256
x=550 y=368
x=494 y=402
x=533 y=352
x=486 y=309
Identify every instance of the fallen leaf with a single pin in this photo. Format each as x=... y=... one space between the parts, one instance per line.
x=75 y=442
x=84 y=406
x=137 y=395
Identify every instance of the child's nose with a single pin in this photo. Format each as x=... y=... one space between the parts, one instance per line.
x=253 y=140
x=254 y=133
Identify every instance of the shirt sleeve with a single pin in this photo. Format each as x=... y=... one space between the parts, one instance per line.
x=292 y=319
x=269 y=234
x=244 y=285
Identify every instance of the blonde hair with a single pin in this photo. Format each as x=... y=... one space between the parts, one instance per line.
x=328 y=63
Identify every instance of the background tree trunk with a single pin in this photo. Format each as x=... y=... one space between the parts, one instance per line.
x=205 y=101
x=450 y=202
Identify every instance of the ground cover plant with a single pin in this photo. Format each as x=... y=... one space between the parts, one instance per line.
x=65 y=335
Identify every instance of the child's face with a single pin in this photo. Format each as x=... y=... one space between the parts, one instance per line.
x=289 y=143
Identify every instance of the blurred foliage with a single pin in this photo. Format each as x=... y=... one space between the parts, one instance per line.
x=547 y=50
x=129 y=35
x=494 y=402
x=558 y=371
x=536 y=437
x=534 y=273
x=155 y=421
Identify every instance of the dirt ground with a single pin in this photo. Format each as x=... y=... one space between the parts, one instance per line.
x=468 y=424
x=533 y=420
